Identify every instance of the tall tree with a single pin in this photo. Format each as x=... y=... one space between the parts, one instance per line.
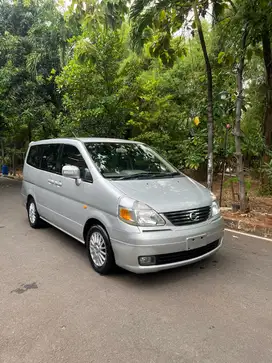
x=90 y=81
x=32 y=48
x=145 y=13
x=258 y=15
x=266 y=37
x=210 y=96
x=237 y=130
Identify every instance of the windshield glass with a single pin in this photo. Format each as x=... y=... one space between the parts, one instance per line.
x=128 y=161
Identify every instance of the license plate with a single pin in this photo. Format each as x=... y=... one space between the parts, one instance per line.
x=196 y=241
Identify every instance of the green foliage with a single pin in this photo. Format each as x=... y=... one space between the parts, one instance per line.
x=266 y=173
x=93 y=103
x=32 y=42
x=235 y=180
x=92 y=72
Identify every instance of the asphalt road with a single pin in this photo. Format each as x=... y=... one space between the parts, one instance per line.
x=54 y=308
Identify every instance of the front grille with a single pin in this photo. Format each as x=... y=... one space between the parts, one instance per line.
x=189 y=216
x=185 y=255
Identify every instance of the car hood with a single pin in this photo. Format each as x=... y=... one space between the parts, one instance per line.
x=166 y=195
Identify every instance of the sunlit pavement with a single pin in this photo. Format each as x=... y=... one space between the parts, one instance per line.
x=54 y=308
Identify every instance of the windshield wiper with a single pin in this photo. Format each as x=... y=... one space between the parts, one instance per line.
x=167 y=175
x=137 y=175
x=149 y=175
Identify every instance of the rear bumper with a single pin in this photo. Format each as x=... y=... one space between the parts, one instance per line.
x=178 y=241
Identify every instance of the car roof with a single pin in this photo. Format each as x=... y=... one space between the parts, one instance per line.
x=84 y=140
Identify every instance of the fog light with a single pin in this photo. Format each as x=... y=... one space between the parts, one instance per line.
x=147 y=260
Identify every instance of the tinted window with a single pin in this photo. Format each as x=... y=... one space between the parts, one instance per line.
x=72 y=156
x=34 y=156
x=50 y=157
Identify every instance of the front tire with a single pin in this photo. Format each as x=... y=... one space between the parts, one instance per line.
x=33 y=215
x=99 y=249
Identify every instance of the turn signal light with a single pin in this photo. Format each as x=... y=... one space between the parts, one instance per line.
x=126 y=215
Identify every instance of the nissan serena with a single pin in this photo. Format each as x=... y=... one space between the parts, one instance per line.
x=120 y=198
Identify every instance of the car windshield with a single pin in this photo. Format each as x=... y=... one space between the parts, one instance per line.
x=129 y=161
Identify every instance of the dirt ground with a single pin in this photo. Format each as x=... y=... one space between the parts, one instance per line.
x=260 y=214
x=258 y=203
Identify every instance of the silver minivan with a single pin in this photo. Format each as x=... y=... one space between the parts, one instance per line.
x=124 y=201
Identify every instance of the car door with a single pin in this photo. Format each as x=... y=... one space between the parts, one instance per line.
x=73 y=198
x=46 y=192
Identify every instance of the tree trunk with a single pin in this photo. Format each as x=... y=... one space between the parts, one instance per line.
x=2 y=152
x=210 y=98
x=237 y=130
x=268 y=67
x=29 y=131
x=13 y=161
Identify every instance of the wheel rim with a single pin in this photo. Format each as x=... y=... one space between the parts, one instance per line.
x=32 y=213
x=98 y=249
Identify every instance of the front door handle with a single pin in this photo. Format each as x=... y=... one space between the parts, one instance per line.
x=58 y=184
x=50 y=181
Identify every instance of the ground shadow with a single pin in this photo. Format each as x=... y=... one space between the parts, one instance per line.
x=202 y=269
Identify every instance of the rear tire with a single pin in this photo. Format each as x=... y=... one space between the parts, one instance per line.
x=33 y=215
x=99 y=249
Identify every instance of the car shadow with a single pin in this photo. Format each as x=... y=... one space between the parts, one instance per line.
x=202 y=269
x=74 y=246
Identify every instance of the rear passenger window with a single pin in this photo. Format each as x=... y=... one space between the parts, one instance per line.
x=34 y=156
x=50 y=158
x=72 y=156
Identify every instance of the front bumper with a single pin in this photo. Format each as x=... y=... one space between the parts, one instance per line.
x=168 y=241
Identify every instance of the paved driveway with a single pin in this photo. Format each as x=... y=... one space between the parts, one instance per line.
x=54 y=308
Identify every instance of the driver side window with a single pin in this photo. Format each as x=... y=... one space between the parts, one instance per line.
x=72 y=156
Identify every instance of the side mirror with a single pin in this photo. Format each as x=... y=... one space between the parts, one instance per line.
x=71 y=171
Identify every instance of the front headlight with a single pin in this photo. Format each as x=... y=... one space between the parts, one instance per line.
x=139 y=214
x=215 y=208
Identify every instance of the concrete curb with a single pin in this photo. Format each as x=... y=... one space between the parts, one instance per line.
x=257 y=229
